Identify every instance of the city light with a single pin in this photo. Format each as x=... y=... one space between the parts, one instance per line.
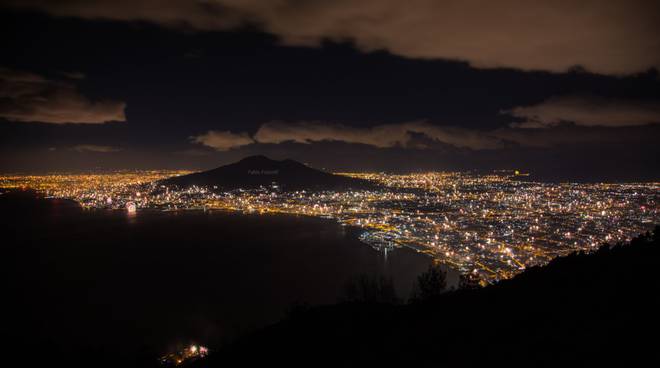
x=185 y=355
x=491 y=225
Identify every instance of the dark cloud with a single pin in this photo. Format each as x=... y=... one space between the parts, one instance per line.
x=587 y=111
x=73 y=75
x=29 y=97
x=609 y=37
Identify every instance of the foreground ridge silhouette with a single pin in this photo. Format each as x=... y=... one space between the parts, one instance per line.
x=598 y=309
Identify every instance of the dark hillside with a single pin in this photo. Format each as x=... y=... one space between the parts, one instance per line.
x=594 y=309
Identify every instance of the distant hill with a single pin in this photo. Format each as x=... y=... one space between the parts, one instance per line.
x=255 y=171
x=598 y=309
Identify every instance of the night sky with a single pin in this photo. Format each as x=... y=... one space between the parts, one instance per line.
x=566 y=90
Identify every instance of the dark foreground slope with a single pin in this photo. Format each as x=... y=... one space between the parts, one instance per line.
x=257 y=171
x=591 y=310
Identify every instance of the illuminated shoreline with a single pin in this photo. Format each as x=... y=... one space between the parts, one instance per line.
x=492 y=225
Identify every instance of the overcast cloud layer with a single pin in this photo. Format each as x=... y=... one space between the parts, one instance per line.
x=416 y=135
x=28 y=97
x=587 y=111
x=608 y=37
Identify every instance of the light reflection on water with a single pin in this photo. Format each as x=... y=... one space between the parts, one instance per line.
x=120 y=279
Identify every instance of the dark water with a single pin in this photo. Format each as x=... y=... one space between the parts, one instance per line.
x=87 y=282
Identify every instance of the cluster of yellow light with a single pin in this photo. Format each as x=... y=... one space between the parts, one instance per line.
x=185 y=355
x=92 y=189
x=494 y=224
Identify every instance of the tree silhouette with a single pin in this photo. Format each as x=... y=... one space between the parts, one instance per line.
x=365 y=289
x=430 y=284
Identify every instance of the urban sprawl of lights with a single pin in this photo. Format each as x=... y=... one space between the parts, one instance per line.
x=491 y=225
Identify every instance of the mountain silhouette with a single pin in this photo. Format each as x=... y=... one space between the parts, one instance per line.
x=257 y=171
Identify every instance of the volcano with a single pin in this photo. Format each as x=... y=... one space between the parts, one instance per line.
x=260 y=171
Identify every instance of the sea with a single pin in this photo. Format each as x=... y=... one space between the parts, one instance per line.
x=106 y=285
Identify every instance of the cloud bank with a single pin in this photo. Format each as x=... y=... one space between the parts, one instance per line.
x=404 y=135
x=28 y=97
x=422 y=135
x=608 y=37
x=586 y=111
x=223 y=140
x=383 y=136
